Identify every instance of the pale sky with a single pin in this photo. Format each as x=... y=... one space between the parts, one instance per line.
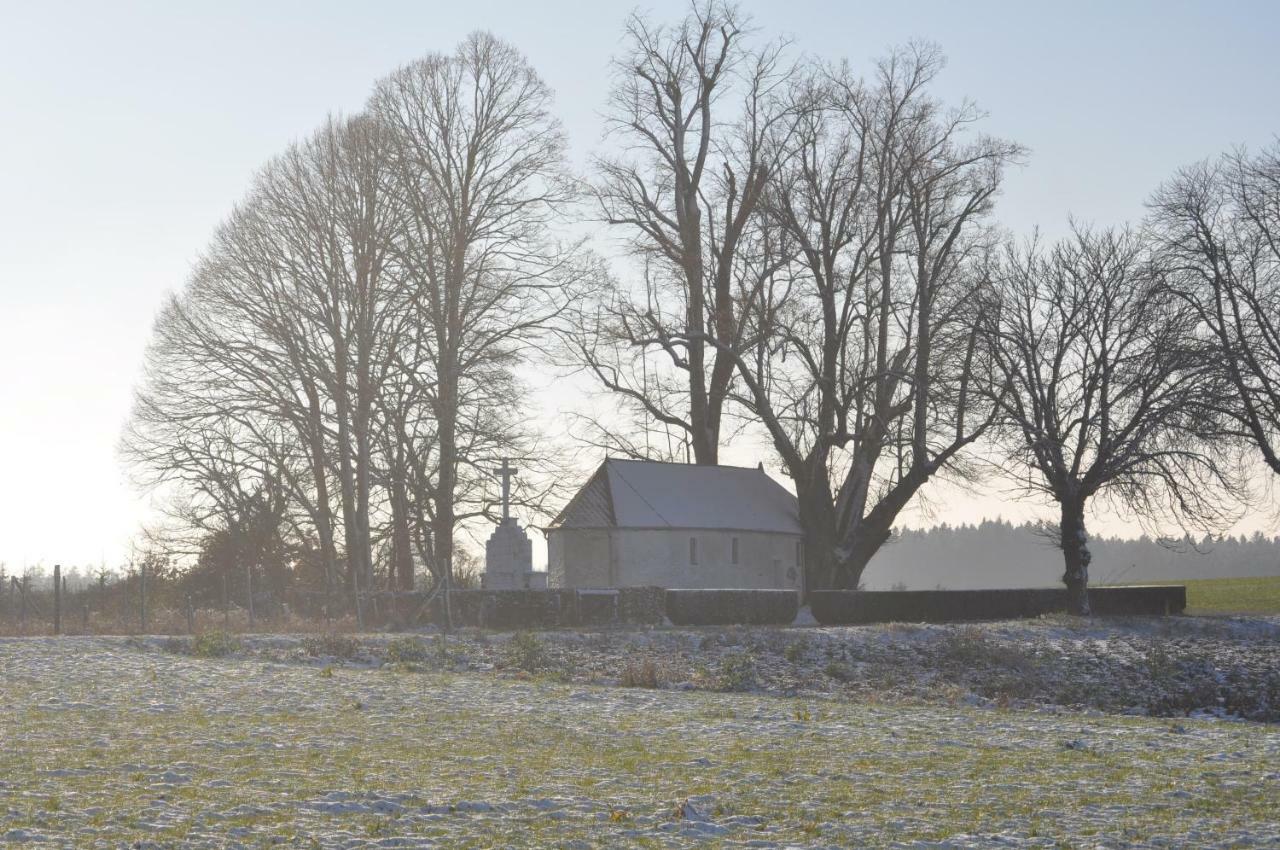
x=128 y=130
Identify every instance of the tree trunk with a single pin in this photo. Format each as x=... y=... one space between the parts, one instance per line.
x=865 y=544
x=324 y=508
x=446 y=477
x=401 y=536
x=347 y=488
x=1075 y=552
x=817 y=518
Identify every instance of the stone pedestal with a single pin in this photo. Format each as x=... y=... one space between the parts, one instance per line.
x=508 y=559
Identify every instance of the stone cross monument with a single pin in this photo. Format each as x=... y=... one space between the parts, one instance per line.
x=507 y=472
x=508 y=555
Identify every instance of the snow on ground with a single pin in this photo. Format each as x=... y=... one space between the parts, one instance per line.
x=108 y=741
x=1178 y=666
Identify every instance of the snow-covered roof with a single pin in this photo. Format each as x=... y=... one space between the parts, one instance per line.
x=649 y=494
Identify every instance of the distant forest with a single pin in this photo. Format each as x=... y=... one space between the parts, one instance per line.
x=1000 y=554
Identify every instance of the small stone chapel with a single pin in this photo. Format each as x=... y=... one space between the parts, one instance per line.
x=677 y=525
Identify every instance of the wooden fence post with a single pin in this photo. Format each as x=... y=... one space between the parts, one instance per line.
x=248 y=572
x=84 y=616
x=142 y=594
x=191 y=617
x=57 y=599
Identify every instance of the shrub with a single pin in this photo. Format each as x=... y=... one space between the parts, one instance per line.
x=214 y=644
x=1160 y=664
x=796 y=651
x=737 y=672
x=839 y=671
x=331 y=645
x=971 y=647
x=525 y=652
x=404 y=650
x=640 y=674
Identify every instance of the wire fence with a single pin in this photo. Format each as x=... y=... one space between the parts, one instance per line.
x=137 y=603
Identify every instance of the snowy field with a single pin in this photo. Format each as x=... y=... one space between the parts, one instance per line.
x=107 y=741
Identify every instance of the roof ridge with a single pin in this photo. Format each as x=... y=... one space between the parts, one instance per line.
x=756 y=468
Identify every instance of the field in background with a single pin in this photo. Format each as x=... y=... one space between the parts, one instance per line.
x=1232 y=595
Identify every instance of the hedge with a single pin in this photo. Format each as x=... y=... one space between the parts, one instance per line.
x=852 y=607
x=507 y=610
x=732 y=607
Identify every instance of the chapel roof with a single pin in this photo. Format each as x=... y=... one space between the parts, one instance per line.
x=650 y=494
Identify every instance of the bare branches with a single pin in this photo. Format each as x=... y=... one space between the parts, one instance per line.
x=351 y=336
x=1218 y=227
x=1105 y=388
x=477 y=168
x=862 y=354
x=697 y=114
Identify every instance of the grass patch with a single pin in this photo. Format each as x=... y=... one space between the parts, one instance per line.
x=279 y=736
x=526 y=652
x=1231 y=595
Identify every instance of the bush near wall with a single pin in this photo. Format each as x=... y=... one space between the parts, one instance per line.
x=732 y=607
x=852 y=607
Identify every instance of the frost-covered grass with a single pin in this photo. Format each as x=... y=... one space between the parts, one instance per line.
x=106 y=741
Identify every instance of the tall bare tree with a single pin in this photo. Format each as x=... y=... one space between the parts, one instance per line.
x=1103 y=390
x=477 y=165
x=277 y=332
x=862 y=329
x=1218 y=226
x=692 y=107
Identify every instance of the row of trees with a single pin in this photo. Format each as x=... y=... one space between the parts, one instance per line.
x=999 y=554
x=335 y=379
x=811 y=258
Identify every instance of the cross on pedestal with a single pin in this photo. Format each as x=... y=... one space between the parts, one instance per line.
x=507 y=472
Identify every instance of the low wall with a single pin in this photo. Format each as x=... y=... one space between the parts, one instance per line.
x=732 y=607
x=506 y=610
x=551 y=608
x=852 y=607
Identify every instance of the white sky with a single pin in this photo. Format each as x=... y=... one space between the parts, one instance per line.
x=127 y=130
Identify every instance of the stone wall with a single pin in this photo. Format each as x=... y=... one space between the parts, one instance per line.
x=552 y=608
x=853 y=607
x=505 y=610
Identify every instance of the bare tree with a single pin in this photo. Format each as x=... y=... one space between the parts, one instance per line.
x=1218 y=227
x=477 y=166
x=1103 y=390
x=353 y=333
x=858 y=302
x=692 y=107
x=274 y=338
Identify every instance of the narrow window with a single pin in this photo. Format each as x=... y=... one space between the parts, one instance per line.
x=693 y=550
x=733 y=550
x=800 y=554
